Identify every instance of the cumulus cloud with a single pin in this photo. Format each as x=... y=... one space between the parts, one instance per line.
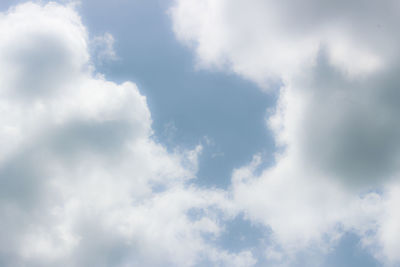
x=82 y=182
x=286 y=36
x=335 y=66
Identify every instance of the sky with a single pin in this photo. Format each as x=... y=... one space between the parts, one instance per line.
x=199 y=133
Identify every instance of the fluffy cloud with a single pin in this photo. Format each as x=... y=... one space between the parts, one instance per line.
x=82 y=182
x=336 y=119
x=264 y=40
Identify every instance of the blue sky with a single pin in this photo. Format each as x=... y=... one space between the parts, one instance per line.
x=262 y=141
x=187 y=105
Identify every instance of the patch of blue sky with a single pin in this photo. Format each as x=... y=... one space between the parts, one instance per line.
x=222 y=111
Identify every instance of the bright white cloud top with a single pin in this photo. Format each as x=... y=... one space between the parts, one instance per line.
x=336 y=118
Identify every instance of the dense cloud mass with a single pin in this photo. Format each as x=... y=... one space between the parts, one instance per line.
x=82 y=181
x=335 y=64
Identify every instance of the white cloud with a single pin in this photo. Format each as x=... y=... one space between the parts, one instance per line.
x=267 y=40
x=82 y=182
x=336 y=117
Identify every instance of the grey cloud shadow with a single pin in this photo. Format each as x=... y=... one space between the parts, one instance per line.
x=350 y=128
